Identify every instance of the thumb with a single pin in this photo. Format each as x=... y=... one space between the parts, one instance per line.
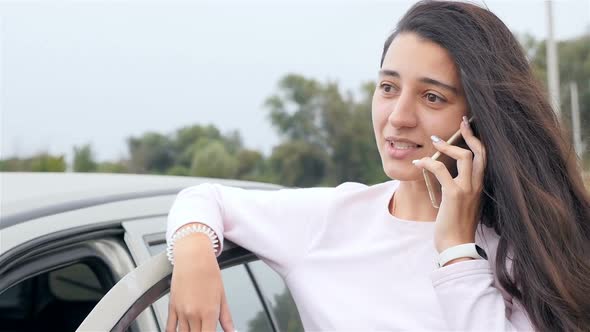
x=225 y=316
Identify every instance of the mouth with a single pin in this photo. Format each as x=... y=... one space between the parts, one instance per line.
x=398 y=148
x=402 y=144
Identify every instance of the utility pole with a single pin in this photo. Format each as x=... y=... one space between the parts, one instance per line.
x=578 y=145
x=552 y=63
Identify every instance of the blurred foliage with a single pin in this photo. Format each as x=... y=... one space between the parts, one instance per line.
x=152 y=152
x=84 y=159
x=214 y=160
x=326 y=134
x=574 y=66
x=112 y=167
x=43 y=162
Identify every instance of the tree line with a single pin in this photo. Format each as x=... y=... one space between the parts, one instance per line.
x=326 y=134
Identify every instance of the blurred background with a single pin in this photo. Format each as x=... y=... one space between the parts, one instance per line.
x=272 y=91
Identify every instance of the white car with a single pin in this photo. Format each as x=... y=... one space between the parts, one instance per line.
x=86 y=252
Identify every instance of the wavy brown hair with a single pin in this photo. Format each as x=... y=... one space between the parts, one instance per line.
x=533 y=196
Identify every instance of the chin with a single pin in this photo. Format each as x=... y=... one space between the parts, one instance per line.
x=403 y=172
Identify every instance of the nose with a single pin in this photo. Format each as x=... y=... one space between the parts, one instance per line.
x=403 y=111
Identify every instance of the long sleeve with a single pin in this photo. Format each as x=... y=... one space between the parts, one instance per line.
x=276 y=225
x=471 y=302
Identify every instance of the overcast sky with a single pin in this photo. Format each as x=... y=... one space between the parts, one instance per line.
x=76 y=72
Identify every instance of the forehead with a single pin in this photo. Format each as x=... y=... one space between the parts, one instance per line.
x=414 y=57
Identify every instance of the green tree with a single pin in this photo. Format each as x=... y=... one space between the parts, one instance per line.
x=178 y=170
x=84 y=159
x=322 y=124
x=112 y=167
x=150 y=153
x=189 y=139
x=213 y=160
x=185 y=139
x=574 y=65
x=48 y=163
x=298 y=163
x=250 y=164
x=42 y=162
x=349 y=135
x=15 y=165
x=295 y=110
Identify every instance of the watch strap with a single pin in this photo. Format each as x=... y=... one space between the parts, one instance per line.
x=460 y=251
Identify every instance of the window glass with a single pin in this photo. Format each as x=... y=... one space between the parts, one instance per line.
x=245 y=306
x=277 y=296
x=156 y=248
x=53 y=301
x=75 y=283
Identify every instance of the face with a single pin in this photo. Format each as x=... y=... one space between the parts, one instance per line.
x=418 y=95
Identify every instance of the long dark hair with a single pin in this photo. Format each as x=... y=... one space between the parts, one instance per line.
x=533 y=197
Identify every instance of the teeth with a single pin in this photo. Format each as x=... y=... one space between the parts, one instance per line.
x=402 y=145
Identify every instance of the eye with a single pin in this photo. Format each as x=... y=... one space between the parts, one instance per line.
x=433 y=98
x=387 y=88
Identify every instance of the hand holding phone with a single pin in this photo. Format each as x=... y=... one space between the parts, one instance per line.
x=458 y=215
x=431 y=191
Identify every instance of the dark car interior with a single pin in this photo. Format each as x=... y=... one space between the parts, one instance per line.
x=57 y=300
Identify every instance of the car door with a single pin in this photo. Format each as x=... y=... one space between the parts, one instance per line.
x=257 y=296
x=51 y=282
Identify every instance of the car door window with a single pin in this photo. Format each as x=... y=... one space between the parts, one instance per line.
x=278 y=297
x=245 y=305
x=57 y=300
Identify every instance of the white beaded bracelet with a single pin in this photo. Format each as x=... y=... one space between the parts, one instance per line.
x=200 y=228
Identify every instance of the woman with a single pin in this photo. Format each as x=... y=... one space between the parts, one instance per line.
x=508 y=249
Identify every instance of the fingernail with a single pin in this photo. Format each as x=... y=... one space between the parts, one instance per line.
x=415 y=161
x=466 y=122
x=435 y=138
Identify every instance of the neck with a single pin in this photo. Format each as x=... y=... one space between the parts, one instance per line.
x=412 y=202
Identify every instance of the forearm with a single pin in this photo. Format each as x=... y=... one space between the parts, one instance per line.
x=470 y=299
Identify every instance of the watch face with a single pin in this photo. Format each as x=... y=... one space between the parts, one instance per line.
x=481 y=252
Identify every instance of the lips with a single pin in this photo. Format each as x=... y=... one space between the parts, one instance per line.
x=399 y=142
x=400 y=148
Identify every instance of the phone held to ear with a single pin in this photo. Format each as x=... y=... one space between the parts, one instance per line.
x=427 y=174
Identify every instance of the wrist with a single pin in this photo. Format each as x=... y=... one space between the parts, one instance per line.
x=457 y=260
x=444 y=245
x=461 y=252
x=191 y=239
x=191 y=243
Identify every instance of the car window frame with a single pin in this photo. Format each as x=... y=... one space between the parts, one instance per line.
x=142 y=233
x=63 y=248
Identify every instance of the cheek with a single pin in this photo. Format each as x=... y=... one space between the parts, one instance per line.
x=379 y=112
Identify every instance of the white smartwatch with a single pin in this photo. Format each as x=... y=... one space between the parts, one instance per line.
x=463 y=250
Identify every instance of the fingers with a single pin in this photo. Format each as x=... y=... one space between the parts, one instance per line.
x=171 y=322
x=470 y=164
x=225 y=317
x=464 y=159
x=209 y=325
x=184 y=325
x=438 y=169
x=479 y=153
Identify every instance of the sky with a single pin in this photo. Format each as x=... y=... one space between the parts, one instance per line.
x=98 y=72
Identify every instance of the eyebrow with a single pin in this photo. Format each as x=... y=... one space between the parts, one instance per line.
x=387 y=72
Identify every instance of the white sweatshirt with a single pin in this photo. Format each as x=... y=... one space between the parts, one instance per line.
x=352 y=266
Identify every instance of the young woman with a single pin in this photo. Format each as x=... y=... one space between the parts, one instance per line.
x=508 y=248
